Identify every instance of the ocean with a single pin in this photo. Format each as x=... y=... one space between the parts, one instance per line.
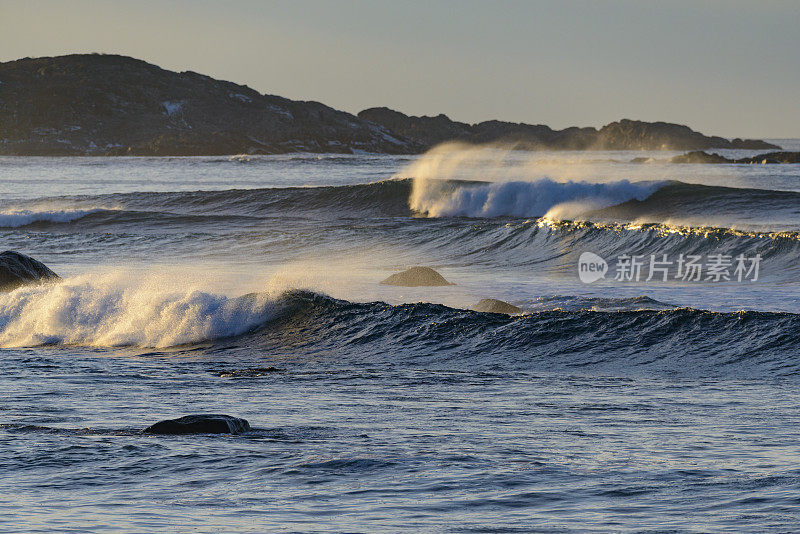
x=631 y=393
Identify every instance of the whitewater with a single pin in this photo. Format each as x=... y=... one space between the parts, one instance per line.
x=250 y=286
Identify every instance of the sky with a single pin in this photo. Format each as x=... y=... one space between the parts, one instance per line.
x=724 y=67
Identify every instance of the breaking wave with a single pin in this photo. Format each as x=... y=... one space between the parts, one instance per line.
x=16 y=218
x=541 y=242
x=118 y=310
x=677 y=341
x=672 y=203
x=437 y=198
x=628 y=336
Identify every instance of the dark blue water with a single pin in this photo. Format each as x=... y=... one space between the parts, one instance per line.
x=218 y=286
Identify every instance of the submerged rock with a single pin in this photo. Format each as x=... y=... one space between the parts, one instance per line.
x=496 y=306
x=200 y=424
x=248 y=373
x=18 y=270
x=417 y=276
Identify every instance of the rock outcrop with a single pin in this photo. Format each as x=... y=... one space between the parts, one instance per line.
x=18 y=270
x=96 y=104
x=200 y=424
x=767 y=158
x=698 y=156
x=771 y=157
x=621 y=135
x=638 y=135
x=417 y=277
x=496 y=306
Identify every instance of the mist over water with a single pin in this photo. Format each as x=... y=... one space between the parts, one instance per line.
x=436 y=198
x=251 y=286
x=121 y=307
x=455 y=179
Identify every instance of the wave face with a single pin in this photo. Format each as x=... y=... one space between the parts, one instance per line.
x=626 y=335
x=545 y=243
x=112 y=310
x=628 y=340
x=25 y=217
x=436 y=198
x=386 y=198
x=465 y=224
x=672 y=203
x=696 y=204
x=668 y=202
x=380 y=199
x=679 y=341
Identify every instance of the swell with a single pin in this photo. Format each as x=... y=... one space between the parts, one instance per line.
x=620 y=201
x=301 y=324
x=380 y=199
x=266 y=215
x=680 y=201
x=101 y=217
x=541 y=243
x=680 y=341
x=385 y=198
x=16 y=218
x=547 y=245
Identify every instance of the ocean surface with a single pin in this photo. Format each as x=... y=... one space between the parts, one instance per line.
x=250 y=286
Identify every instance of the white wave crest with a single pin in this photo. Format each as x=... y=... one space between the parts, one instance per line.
x=118 y=309
x=438 y=198
x=14 y=218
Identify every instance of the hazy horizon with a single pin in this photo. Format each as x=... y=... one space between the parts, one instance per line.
x=723 y=68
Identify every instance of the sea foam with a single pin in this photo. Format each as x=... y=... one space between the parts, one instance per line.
x=122 y=309
x=437 y=198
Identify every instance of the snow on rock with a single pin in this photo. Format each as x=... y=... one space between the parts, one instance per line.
x=240 y=97
x=281 y=111
x=171 y=107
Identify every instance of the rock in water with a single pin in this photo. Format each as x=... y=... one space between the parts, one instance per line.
x=200 y=424
x=769 y=157
x=698 y=156
x=772 y=157
x=417 y=276
x=496 y=306
x=18 y=270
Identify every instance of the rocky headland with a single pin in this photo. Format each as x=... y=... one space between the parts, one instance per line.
x=98 y=104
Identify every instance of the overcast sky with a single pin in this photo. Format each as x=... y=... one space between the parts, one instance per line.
x=724 y=67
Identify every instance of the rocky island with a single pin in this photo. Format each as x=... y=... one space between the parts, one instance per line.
x=98 y=104
x=621 y=135
x=93 y=104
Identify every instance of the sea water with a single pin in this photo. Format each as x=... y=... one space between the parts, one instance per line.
x=250 y=286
